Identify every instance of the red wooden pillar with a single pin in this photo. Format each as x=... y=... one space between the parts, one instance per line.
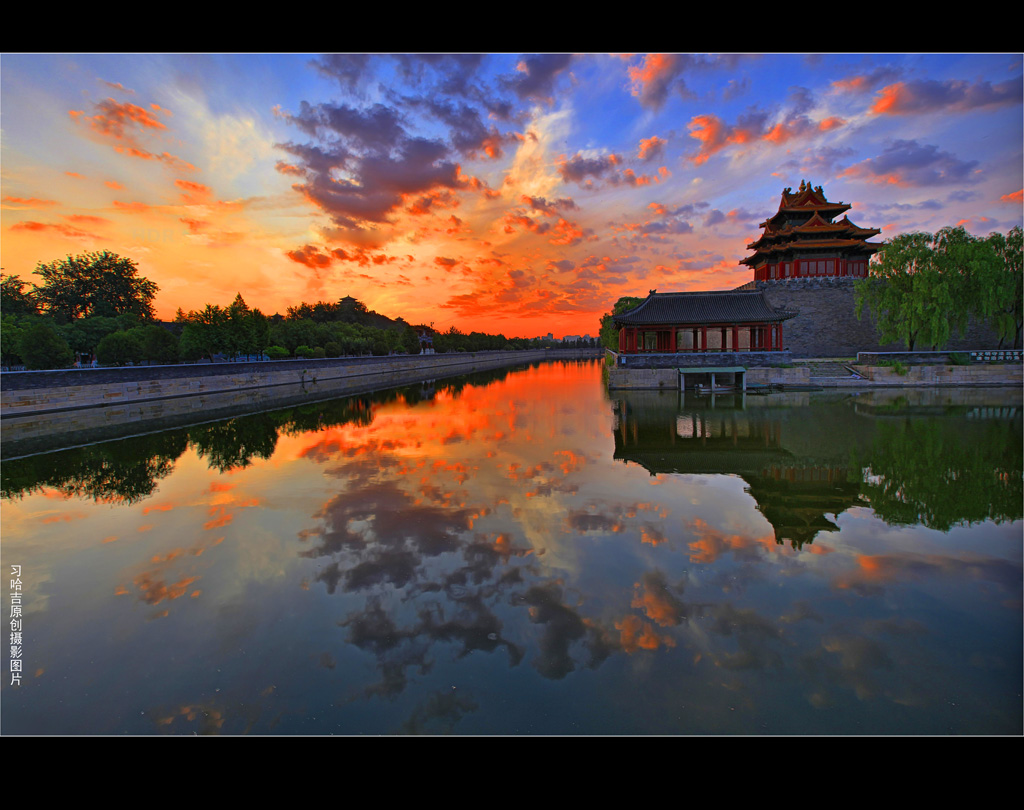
x=780 y=336
x=735 y=338
x=672 y=341
x=703 y=338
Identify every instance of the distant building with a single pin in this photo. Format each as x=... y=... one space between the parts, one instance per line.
x=426 y=336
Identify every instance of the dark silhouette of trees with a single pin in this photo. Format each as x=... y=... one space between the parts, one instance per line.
x=15 y=299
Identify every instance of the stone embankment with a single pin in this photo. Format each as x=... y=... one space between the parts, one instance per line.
x=915 y=371
x=32 y=392
x=42 y=408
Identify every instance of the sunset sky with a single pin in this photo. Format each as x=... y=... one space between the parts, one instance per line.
x=521 y=194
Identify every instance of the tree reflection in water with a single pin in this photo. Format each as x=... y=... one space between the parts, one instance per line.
x=528 y=553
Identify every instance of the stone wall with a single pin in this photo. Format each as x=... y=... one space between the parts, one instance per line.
x=626 y=378
x=1001 y=375
x=35 y=392
x=620 y=378
x=800 y=375
x=827 y=324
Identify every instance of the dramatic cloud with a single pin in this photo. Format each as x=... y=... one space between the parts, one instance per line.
x=658 y=75
x=713 y=135
x=589 y=176
x=908 y=163
x=930 y=95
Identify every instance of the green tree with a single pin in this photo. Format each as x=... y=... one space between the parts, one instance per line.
x=609 y=335
x=158 y=344
x=922 y=288
x=120 y=348
x=410 y=341
x=85 y=334
x=907 y=294
x=10 y=339
x=100 y=283
x=1003 y=300
x=205 y=333
x=42 y=347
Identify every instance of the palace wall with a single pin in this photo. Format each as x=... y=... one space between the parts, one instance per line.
x=827 y=324
x=43 y=410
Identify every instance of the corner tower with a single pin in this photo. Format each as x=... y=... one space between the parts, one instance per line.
x=802 y=241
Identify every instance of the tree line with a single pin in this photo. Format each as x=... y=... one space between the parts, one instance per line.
x=96 y=306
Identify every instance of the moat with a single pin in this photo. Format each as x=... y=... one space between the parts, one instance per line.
x=524 y=552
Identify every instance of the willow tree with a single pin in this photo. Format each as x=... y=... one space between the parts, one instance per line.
x=1003 y=302
x=922 y=288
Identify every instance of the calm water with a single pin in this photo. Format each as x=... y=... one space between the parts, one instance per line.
x=524 y=553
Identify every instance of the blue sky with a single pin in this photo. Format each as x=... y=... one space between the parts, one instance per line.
x=498 y=192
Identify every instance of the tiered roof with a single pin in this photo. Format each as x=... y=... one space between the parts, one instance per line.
x=804 y=222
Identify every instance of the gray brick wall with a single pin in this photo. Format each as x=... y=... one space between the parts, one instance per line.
x=827 y=324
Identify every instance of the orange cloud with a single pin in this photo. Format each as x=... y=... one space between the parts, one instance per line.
x=1016 y=197
x=134 y=207
x=223 y=519
x=651 y=147
x=164 y=507
x=713 y=135
x=87 y=219
x=288 y=168
x=29 y=202
x=855 y=84
x=155 y=591
x=193 y=192
x=636 y=634
x=164 y=157
x=712 y=543
x=567 y=233
x=656 y=602
x=66 y=230
x=114 y=118
x=891 y=98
